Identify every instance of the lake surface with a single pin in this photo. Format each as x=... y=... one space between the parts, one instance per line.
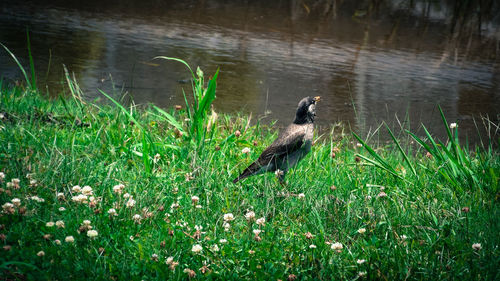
x=370 y=61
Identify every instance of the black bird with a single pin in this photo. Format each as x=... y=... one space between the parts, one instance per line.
x=291 y=145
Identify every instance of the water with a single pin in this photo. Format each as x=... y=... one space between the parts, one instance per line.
x=370 y=63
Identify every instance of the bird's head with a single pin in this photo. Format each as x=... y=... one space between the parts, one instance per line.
x=306 y=111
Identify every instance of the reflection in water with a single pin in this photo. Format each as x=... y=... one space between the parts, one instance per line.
x=369 y=60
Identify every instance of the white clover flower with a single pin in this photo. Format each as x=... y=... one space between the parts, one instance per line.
x=228 y=217
x=126 y=196
x=198 y=227
x=382 y=194
x=87 y=190
x=245 y=150
x=76 y=188
x=361 y=273
x=37 y=199
x=256 y=232
x=7 y=206
x=16 y=181
x=137 y=218
x=195 y=199
x=60 y=196
x=336 y=246
x=92 y=233
x=261 y=221
x=169 y=260
x=50 y=224
x=226 y=226
x=60 y=224
x=118 y=188
x=301 y=196
x=198 y=207
x=250 y=216
x=156 y=158
x=33 y=182
x=130 y=203
x=453 y=125
x=86 y=222
x=361 y=261
x=197 y=248
x=214 y=248
x=81 y=198
x=112 y=212
x=251 y=252
x=359 y=144
x=2 y=176
x=361 y=230
x=403 y=237
x=312 y=246
x=57 y=242
x=16 y=202
x=174 y=206
x=476 y=246
x=62 y=209
x=279 y=173
x=40 y=254
x=223 y=241
x=69 y=239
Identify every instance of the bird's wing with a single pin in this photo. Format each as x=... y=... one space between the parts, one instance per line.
x=287 y=143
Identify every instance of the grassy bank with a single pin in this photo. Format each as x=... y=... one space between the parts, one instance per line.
x=103 y=192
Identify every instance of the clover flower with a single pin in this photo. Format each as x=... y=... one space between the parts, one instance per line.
x=137 y=218
x=60 y=196
x=261 y=221
x=312 y=246
x=87 y=190
x=112 y=212
x=256 y=232
x=361 y=230
x=337 y=246
x=60 y=224
x=476 y=246
x=245 y=150
x=301 y=196
x=16 y=202
x=228 y=217
x=92 y=233
x=130 y=203
x=223 y=241
x=197 y=248
x=76 y=189
x=62 y=209
x=250 y=216
x=214 y=248
x=40 y=254
x=360 y=261
x=195 y=199
x=8 y=208
x=118 y=188
x=50 y=224
x=453 y=125
x=69 y=239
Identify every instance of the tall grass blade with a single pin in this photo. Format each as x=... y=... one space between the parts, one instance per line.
x=19 y=65
x=402 y=152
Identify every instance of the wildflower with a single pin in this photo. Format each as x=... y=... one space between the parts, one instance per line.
x=204 y=269
x=154 y=257
x=198 y=207
x=173 y=265
x=2 y=176
x=33 y=183
x=198 y=227
x=86 y=223
x=309 y=235
x=189 y=176
x=292 y=277
x=60 y=196
x=226 y=226
x=76 y=188
x=60 y=224
x=361 y=273
x=47 y=236
x=8 y=208
x=174 y=206
x=359 y=144
x=312 y=246
x=250 y=216
x=40 y=254
x=464 y=209
x=92 y=233
x=112 y=212
x=361 y=230
x=169 y=260
x=126 y=196
x=382 y=194
x=156 y=158
x=251 y=252
x=62 y=209
x=57 y=242
x=223 y=241
x=16 y=202
x=301 y=196
x=37 y=199
x=228 y=217
x=214 y=248
x=15 y=183
x=137 y=218
x=403 y=237
x=69 y=239
x=190 y=272
x=87 y=190
x=237 y=133
x=361 y=261
x=476 y=246
x=196 y=248
x=453 y=125
x=257 y=232
x=337 y=246
x=195 y=199
x=245 y=150
x=118 y=188
x=81 y=198
x=261 y=221
x=50 y=224
x=130 y=203
x=279 y=173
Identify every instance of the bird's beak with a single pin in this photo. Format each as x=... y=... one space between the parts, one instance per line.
x=317 y=98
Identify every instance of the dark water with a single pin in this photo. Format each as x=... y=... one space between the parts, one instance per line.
x=369 y=60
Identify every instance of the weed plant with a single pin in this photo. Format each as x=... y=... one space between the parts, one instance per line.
x=80 y=200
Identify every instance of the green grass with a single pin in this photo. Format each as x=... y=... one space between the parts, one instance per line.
x=418 y=231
